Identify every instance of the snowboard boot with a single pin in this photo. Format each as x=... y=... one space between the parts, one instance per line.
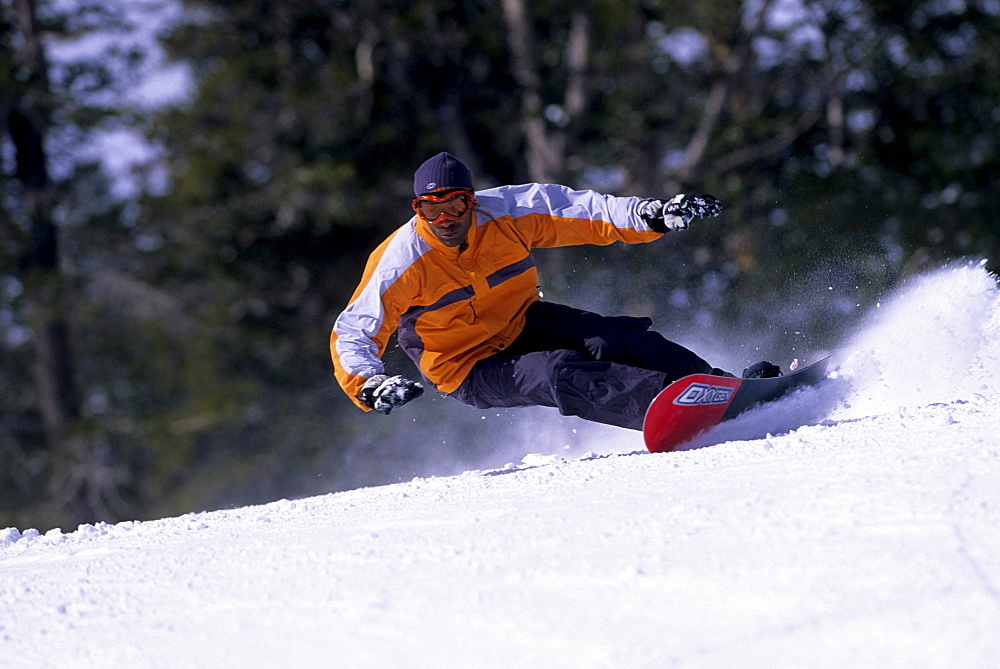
x=762 y=370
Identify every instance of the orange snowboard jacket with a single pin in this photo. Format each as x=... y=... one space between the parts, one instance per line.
x=456 y=306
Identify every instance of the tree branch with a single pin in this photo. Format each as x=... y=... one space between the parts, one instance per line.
x=733 y=64
x=542 y=156
x=773 y=145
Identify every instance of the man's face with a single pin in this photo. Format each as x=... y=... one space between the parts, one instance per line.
x=449 y=216
x=453 y=231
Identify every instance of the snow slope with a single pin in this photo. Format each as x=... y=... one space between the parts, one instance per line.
x=867 y=538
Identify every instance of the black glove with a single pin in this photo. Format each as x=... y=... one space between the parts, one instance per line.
x=678 y=212
x=762 y=370
x=384 y=393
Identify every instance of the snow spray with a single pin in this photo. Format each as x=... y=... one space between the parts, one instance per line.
x=937 y=339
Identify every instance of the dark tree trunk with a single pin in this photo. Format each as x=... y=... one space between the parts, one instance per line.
x=74 y=493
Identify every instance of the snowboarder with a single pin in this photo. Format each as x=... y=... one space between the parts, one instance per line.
x=459 y=283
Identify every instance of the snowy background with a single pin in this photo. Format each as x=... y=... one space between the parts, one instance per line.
x=867 y=537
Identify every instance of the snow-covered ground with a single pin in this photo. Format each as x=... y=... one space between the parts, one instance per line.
x=870 y=537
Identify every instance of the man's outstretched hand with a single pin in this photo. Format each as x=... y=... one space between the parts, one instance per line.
x=678 y=212
x=384 y=393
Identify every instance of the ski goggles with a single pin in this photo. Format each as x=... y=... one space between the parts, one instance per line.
x=441 y=208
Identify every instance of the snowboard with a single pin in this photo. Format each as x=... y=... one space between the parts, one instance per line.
x=696 y=403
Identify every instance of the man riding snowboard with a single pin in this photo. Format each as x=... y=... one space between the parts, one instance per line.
x=459 y=283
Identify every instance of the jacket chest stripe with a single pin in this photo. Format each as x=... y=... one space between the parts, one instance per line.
x=510 y=271
x=451 y=297
x=408 y=337
x=468 y=292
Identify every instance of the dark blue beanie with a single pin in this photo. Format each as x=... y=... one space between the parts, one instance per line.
x=442 y=171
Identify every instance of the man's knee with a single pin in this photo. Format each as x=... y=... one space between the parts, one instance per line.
x=605 y=392
x=608 y=348
x=504 y=380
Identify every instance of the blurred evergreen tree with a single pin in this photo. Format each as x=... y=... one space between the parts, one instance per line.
x=62 y=462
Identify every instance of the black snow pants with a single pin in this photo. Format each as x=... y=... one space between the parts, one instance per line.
x=601 y=368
